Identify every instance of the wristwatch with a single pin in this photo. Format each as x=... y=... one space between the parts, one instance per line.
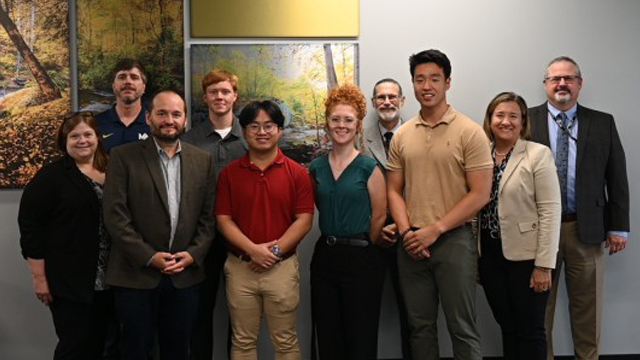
x=275 y=250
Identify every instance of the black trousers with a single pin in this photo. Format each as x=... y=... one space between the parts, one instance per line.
x=518 y=309
x=346 y=291
x=202 y=336
x=165 y=311
x=81 y=327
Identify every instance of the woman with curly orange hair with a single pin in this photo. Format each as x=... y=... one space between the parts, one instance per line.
x=347 y=269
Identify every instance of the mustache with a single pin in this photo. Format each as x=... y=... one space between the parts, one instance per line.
x=563 y=88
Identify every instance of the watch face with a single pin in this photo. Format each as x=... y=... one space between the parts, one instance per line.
x=275 y=250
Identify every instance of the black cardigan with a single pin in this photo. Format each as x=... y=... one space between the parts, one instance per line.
x=59 y=222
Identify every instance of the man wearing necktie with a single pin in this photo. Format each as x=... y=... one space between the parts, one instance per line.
x=388 y=100
x=595 y=199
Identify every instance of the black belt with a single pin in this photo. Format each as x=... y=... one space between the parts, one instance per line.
x=360 y=240
x=569 y=217
x=247 y=258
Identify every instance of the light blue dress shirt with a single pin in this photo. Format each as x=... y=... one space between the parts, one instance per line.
x=572 y=113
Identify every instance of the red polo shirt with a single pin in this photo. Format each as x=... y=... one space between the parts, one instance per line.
x=263 y=203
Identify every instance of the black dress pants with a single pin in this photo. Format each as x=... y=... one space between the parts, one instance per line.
x=81 y=327
x=518 y=309
x=166 y=311
x=202 y=337
x=346 y=291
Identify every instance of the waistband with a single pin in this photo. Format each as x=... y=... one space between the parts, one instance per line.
x=358 y=240
x=247 y=258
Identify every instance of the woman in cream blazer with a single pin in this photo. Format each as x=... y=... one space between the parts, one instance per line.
x=519 y=229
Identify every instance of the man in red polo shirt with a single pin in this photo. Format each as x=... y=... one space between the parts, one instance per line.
x=264 y=208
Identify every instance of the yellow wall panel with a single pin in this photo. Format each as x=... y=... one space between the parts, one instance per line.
x=275 y=18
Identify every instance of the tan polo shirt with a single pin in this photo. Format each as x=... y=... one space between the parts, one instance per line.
x=434 y=160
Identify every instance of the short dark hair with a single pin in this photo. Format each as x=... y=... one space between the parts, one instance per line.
x=387 y=80
x=430 y=56
x=251 y=110
x=128 y=64
x=153 y=97
x=503 y=97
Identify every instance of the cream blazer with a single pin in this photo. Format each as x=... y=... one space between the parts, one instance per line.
x=529 y=205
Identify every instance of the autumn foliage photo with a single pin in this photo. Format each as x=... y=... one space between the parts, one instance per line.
x=34 y=85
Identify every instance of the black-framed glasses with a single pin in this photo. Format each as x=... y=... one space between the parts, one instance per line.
x=267 y=127
x=569 y=79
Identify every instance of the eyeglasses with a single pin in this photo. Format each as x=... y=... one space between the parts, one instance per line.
x=569 y=79
x=382 y=98
x=267 y=127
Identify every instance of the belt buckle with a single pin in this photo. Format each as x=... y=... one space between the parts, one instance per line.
x=331 y=240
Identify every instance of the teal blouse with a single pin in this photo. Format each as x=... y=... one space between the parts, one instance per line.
x=344 y=204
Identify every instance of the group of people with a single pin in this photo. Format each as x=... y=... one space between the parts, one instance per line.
x=127 y=234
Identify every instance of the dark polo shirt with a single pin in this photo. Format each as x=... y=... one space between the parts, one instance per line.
x=115 y=133
x=204 y=136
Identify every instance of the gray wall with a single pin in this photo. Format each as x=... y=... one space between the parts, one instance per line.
x=494 y=46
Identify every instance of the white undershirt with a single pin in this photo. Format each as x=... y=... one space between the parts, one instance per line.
x=223 y=132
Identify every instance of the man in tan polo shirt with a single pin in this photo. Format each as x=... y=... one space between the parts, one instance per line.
x=440 y=160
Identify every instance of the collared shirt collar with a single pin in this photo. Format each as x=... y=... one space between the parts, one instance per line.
x=447 y=118
x=236 y=129
x=383 y=130
x=571 y=113
x=245 y=161
x=161 y=151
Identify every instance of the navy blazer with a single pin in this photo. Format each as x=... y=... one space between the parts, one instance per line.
x=59 y=222
x=602 y=190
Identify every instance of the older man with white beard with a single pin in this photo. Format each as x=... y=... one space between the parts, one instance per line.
x=388 y=100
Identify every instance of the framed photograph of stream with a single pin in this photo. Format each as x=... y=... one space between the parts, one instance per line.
x=296 y=76
x=34 y=85
x=275 y=18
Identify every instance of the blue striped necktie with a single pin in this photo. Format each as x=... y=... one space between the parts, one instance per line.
x=562 y=156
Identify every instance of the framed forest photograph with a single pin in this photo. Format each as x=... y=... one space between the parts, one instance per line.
x=297 y=77
x=149 y=31
x=34 y=85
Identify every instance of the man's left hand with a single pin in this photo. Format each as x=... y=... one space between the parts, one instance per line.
x=615 y=243
x=183 y=259
x=417 y=241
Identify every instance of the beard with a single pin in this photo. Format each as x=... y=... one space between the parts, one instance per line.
x=388 y=115
x=166 y=138
x=565 y=97
x=562 y=98
x=128 y=99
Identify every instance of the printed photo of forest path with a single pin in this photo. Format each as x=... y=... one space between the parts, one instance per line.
x=34 y=85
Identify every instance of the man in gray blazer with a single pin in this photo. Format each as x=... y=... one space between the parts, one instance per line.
x=158 y=209
x=388 y=100
x=595 y=199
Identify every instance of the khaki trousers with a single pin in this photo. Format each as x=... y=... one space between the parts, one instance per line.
x=584 y=275
x=276 y=293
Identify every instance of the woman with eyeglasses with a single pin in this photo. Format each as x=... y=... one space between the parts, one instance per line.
x=347 y=269
x=64 y=240
x=519 y=229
